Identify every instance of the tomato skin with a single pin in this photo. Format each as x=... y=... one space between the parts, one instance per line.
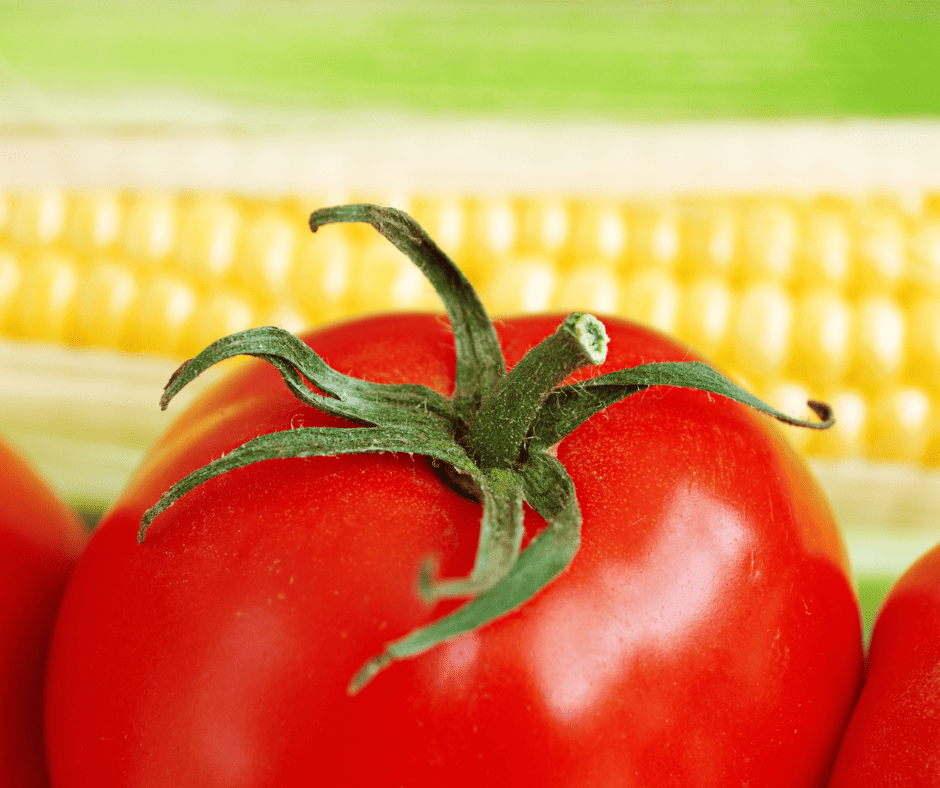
x=706 y=633
x=40 y=538
x=893 y=738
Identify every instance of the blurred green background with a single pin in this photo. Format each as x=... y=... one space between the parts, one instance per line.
x=651 y=60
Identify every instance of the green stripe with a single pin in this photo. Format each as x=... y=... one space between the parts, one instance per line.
x=646 y=60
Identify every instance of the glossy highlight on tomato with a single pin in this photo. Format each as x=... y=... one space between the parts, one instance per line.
x=706 y=633
x=40 y=539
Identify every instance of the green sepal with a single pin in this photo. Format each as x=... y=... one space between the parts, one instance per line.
x=569 y=406
x=501 y=531
x=427 y=439
x=480 y=361
x=350 y=398
x=549 y=490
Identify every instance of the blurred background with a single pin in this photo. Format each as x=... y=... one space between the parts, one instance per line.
x=761 y=179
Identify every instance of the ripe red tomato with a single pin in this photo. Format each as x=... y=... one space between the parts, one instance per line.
x=40 y=539
x=706 y=634
x=893 y=738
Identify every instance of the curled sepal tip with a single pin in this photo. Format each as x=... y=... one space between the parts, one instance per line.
x=569 y=406
x=823 y=411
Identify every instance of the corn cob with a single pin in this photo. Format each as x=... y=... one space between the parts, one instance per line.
x=833 y=297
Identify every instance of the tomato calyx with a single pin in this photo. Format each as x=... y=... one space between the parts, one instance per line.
x=491 y=439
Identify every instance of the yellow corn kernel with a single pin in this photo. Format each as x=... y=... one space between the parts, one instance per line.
x=592 y=289
x=652 y=297
x=10 y=276
x=705 y=315
x=103 y=303
x=656 y=236
x=164 y=307
x=491 y=232
x=266 y=255
x=763 y=324
x=288 y=316
x=926 y=248
x=321 y=280
x=828 y=248
x=598 y=233
x=900 y=424
x=443 y=220
x=544 y=226
x=222 y=313
x=771 y=240
x=822 y=336
x=390 y=281
x=37 y=217
x=93 y=223
x=520 y=285
x=46 y=298
x=149 y=232
x=713 y=239
x=880 y=342
x=208 y=238
x=883 y=250
x=924 y=342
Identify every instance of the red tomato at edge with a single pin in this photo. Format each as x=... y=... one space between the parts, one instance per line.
x=706 y=634
x=40 y=539
x=893 y=738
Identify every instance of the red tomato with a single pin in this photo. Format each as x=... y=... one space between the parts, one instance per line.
x=705 y=634
x=40 y=539
x=893 y=738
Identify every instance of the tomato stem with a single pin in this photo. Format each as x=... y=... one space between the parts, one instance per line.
x=497 y=434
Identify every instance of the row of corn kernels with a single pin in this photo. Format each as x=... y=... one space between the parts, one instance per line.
x=828 y=297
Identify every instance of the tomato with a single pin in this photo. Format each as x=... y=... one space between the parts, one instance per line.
x=40 y=539
x=300 y=586
x=706 y=633
x=893 y=738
